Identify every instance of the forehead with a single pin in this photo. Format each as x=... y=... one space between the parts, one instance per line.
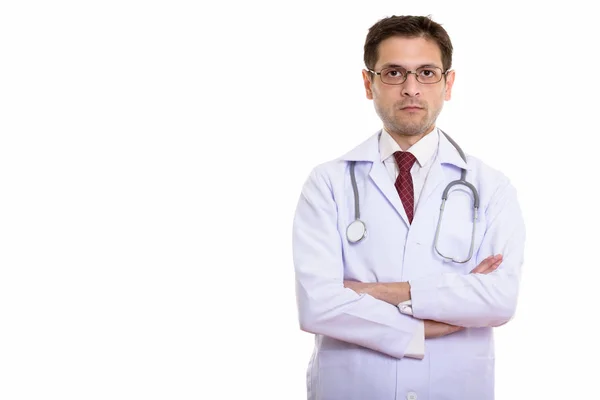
x=408 y=52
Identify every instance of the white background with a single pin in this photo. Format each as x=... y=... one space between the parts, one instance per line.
x=151 y=157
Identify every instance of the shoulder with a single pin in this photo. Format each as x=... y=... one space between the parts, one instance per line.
x=483 y=170
x=327 y=173
x=335 y=169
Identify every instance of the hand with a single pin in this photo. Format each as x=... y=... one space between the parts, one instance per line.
x=488 y=265
x=435 y=329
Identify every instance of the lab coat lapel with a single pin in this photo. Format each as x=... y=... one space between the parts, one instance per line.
x=434 y=179
x=369 y=151
x=380 y=177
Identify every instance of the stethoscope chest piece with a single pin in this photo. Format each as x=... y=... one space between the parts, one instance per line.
x=356 y=231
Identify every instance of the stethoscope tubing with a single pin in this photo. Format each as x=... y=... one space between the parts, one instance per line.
x=357 y=230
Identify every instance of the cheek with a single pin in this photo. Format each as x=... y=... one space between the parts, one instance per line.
x=385 y=98
x=438 y=100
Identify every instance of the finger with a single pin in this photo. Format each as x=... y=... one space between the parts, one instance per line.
x=488 y=265
x=496 y=261
x=496 y=264
x=484 y=265
x=489 y=270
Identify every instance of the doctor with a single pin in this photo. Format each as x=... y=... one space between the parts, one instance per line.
x=397 y=313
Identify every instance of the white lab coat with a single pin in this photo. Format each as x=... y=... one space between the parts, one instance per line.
x=360 y=341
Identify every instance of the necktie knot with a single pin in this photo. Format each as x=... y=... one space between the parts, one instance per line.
x=404 y=160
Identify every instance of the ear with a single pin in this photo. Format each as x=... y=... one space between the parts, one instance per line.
x=368 y=84
x=449 y=83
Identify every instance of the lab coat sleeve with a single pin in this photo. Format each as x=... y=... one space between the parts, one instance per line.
x=479 y=300
x=325 y=306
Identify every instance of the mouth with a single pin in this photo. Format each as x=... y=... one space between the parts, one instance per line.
x=411 y=108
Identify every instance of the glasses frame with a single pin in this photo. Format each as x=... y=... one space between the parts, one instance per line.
x=408 y=72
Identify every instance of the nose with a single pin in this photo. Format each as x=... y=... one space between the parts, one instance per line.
x=411 y=86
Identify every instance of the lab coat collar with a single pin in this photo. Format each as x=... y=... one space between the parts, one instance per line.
x=448 y=154
x=366 y=151
x=369 y=151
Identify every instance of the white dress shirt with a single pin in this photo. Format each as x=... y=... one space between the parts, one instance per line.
x=424 y=151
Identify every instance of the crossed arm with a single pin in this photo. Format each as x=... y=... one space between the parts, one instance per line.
x=368 y=315
x=395 y=293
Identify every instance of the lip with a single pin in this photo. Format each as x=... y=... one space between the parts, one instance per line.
x=411 y=108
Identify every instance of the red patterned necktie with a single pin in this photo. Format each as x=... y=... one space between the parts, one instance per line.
x=404 y=183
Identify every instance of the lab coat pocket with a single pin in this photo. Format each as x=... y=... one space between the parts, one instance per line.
x=356 y=374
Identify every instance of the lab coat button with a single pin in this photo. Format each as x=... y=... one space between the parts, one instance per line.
x=411 y=396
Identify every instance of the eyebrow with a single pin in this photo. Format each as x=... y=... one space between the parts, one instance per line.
x=392 y=65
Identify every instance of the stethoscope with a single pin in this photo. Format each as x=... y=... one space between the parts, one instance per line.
x=357 y=230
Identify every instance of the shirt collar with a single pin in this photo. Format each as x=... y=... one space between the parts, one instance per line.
x=369 y=151
x=424 y=150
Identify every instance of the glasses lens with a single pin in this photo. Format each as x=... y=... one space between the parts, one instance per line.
x=397 y=75
x=429 y=74
x=393 y=76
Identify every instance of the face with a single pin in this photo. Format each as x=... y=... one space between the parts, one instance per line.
x=411 y=108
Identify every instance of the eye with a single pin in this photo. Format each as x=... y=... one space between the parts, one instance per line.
x=392 y=73
x=427 y=73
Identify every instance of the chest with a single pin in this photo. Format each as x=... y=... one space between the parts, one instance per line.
x=393 y=249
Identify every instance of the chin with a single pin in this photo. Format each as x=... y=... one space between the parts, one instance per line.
x=412 y=130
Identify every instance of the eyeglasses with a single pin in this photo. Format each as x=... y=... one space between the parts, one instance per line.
x=397 y=75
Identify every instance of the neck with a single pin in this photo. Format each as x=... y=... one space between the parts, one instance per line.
x=406 y=140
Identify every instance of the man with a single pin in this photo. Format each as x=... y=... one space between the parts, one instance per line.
x=402 y=308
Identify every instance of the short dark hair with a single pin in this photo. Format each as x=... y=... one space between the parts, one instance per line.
x=411 y=27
